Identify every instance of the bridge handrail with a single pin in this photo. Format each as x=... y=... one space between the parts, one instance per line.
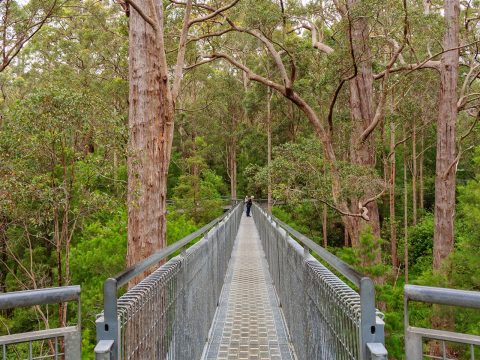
x=108 y=323
x=26 y=298
x=371 y=325
x=441 y=296
x=46 y=296
x=342 y=267
x=125 y=276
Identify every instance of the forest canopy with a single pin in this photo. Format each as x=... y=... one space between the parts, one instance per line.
x=126 y=125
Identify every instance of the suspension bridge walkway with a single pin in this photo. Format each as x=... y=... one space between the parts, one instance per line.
x=238 y=288
x=249 y=322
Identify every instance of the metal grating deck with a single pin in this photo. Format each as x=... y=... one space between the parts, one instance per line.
x=248 y=324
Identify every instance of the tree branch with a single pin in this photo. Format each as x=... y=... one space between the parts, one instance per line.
x=182 y=47
x=214 y=13
x=316 y=43
x=379 y=112
x=140 y=12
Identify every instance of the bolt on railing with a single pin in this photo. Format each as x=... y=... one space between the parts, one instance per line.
x=415 y=336
x=326 y=318
x=168 y=314
x=71 y=335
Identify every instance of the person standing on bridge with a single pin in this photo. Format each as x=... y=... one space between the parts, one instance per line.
x=249 y=205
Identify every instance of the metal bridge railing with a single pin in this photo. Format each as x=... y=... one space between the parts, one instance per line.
x=326 y=318
x=415 y=337
x=58 y=343
x=169 y=313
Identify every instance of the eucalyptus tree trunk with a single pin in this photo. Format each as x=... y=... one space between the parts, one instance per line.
x=446 y=152
x=269 y=148
x=362 y=113
x=232 y=166
x=3 y=254
x=150 y=124
x=405 y=205
x=232 y=158
x=414 y=172
x=393 y=224
x=324 y=226
x=421 y=190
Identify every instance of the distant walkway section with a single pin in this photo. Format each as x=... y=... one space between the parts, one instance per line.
x=249 y=323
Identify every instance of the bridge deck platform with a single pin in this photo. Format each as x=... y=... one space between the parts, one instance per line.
x=249 y=323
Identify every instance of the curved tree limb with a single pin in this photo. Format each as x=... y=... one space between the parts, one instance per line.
x=140 y=12
x=316 y=43
x=213 y=14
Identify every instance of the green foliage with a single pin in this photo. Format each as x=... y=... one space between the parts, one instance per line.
x=63 y=143
x=466 y=259
x=179 y=226
x=99 y=253
x=300 y=172
x=199 y=189
x=420 y=244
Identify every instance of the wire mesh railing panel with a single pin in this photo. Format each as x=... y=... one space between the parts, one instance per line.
x=322 y=312
x=427 y=343
x=50 y=343
x=168 y=314
x=53 y=346
x=337 y=311
x=147 y=313
x=449 y=350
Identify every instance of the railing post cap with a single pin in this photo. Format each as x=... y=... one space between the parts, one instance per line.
x=104 y=347
x=377 y=351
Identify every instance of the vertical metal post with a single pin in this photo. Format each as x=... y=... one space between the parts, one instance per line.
x=377 y=351
x=413 y=342
x=279 y=259
x=103 y=350
x=73 y=345
x=306 y=252
x=108 y=327
x=369 y=331
x=413 y=346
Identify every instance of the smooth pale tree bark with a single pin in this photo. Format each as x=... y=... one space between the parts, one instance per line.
x=445 y=167
x=269 y=148
x=414 y=172
x=3 y=254
x=232 y=166
x=293 y=123
x=446 y=158
x=405 y=205
x=393 y=224
x=346 y=241
x=365 y=118
x=420 y=172
x=231 y=147
x=324 y=226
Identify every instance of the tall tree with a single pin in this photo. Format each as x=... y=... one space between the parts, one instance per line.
x=393 y=224
x=153 y=94
x=445 y=172
x=269 y=148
